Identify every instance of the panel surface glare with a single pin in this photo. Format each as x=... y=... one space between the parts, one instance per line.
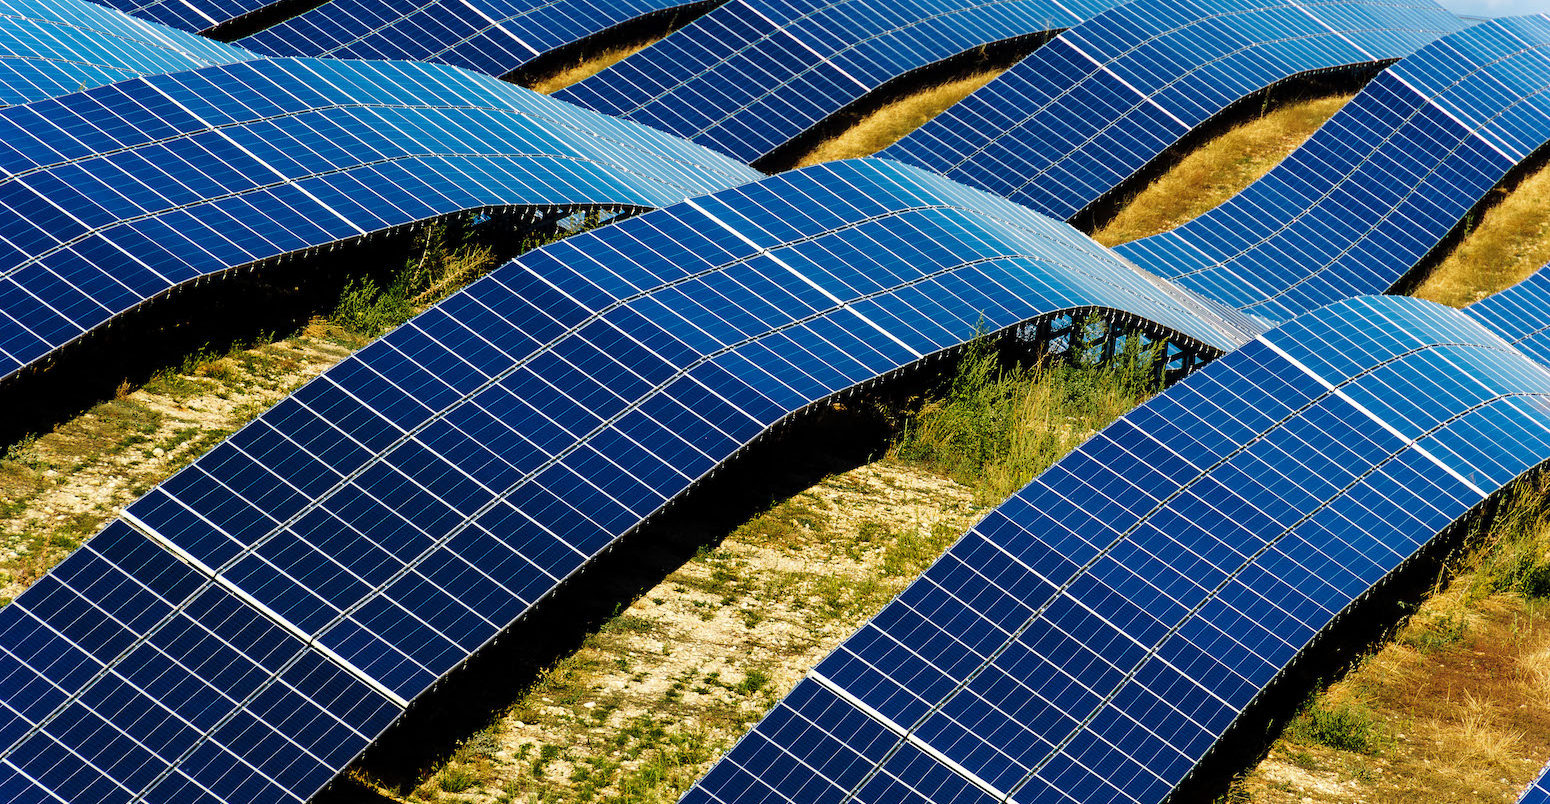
x=493 y=37
x=1093 y=637
x=1378 y=186
x=54 y=47
x=112 y=196
x=750 y=75
x=1072 y=121
x=397 y=512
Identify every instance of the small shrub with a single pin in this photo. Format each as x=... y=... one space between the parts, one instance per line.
x=1438 y=632
x=1343 y=726
x=753 y=681
x=457 y=778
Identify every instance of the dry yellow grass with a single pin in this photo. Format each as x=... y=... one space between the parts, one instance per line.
x=1459 y=701
x=587 y=67
x=890 y=123
x=1218 y=170
x=1505 y=248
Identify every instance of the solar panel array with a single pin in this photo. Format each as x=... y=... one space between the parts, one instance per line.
x=1074 y=120
x=242 y=631
x=1539 y=791
x=1092 y=637
x=1380 y=184
x=749 y=76
x=113 y=196
x=493 y=37
x=54 y=47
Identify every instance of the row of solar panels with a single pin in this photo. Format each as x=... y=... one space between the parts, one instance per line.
x=394 y=515
x=1095 y=636
x=493 y=430
x=359 y=148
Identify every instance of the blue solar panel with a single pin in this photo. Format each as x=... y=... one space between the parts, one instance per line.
x=1379 y=185
x=1082 y=114
x=193 y=15
x=748 y=77
x=1519 y=314
x=1094 y=636
x=54 y=47
x=493 y=37
x=393 y=515
x=113 y=196
x=1539 y=791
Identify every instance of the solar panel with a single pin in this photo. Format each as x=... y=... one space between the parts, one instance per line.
x=54 y=47
x=362 y=538
x=113 y=196
x=1379 y=185
x=1518 y=314
x=1070 y=123
x=494 y=37
x=748 y=77
x=194 y=15
x=1539 y=791
x=1094 y=636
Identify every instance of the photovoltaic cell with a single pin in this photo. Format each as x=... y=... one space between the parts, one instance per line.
x=1379 y=185
x=1093 y=637
x=493 y=37
x=749 y=76
x=55 y=47
x=1539 y=791
x=1068 y=124
x=396 y=513
x=113 y=196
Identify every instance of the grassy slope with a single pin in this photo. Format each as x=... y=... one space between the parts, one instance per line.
x=1217 y=170
x=61 y=487
x=1456 y=707
x=1506 y=246
x=655 y=695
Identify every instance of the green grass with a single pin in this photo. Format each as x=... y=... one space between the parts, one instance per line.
x=998 y=425
x=1343 y=726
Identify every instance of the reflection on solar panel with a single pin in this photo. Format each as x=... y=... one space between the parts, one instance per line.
x=191 y=15
x=1071 y=122
x=54 y=47
x=1380 y=184
x=1519 y=314
x=1539 y=791
x=493 y=37
x=1092 y=637
x=242 y=631
x=749 y=76
x=114 y=196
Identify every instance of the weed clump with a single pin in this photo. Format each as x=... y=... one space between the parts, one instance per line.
x=1342 y=726
x=999 y=425
x=1512 y=553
